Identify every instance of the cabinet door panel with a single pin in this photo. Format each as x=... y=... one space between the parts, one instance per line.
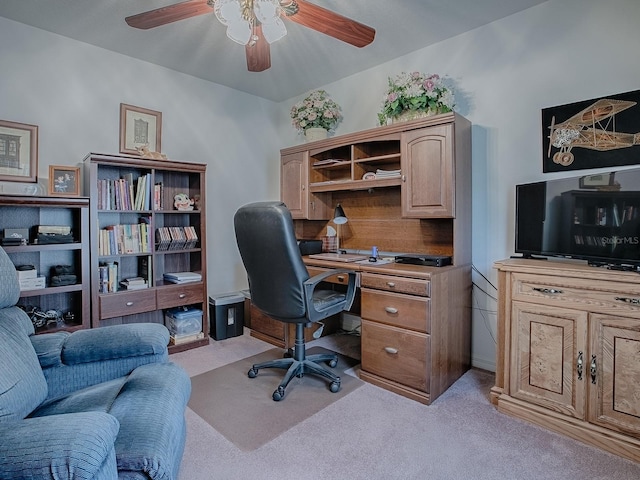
x=547 y=343
x=427 y=164
x=614 y=398
x=293 y=184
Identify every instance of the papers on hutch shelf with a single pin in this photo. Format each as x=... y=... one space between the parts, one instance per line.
x=182 y=277
x=328 y=161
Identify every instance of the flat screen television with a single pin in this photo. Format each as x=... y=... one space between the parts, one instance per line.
x=593 y=217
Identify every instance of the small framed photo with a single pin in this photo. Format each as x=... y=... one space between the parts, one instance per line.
x=64 y=181
x=139 y=127
x=597 y=181
x=18 y=152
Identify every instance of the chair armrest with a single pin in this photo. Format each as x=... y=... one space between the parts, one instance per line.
x=76 y=445
x=314 y=314
x=115 y=342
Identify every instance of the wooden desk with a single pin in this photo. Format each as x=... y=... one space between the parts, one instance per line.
x=416 y=325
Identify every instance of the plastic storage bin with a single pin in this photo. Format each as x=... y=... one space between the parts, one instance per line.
x=226 y=315
x=183 y=321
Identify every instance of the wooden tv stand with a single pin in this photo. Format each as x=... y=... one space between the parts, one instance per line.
x=568 y=354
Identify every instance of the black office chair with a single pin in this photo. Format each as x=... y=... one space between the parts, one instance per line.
x=281 y=288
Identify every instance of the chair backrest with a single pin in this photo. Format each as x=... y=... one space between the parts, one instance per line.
x=271 y=256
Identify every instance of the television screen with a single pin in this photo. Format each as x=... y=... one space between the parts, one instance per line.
x=592 y=217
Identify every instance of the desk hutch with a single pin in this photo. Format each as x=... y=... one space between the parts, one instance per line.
x=416 y=320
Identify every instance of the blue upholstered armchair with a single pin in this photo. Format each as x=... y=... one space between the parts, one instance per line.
x=101 y=403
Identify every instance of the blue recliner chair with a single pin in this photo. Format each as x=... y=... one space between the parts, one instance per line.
x=94 y=404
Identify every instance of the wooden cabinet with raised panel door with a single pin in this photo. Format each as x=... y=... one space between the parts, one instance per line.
x=427 y=164
x=294 y=189
x=569 y=351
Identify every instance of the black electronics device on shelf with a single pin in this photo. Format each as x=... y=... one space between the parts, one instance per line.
x=426 y=260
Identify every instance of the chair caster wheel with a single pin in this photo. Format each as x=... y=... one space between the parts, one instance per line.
x=334 y=387
x=278 y=394
x=252 y=373
x=333 y=363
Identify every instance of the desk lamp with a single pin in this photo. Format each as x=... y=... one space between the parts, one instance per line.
x=339 y=218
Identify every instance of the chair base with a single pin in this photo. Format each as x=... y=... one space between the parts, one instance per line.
x=299 y=365
x=298 y=368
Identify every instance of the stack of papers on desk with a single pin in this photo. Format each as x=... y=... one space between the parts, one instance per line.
x=182 y=277
x=338 y=257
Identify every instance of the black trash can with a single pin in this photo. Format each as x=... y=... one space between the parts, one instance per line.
x=226 y=315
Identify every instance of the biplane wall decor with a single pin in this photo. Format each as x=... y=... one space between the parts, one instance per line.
x=603 y=132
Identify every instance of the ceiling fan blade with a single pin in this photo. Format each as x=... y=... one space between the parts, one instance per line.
x=169 y=14
x=258 y=54
x=330 y=23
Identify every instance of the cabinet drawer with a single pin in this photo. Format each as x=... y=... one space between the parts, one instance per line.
x=127 y=303
x=396 y=354
x=397 y=309
x=339 y=278
x=412 y=286
x=178 y=295
x=615 y=298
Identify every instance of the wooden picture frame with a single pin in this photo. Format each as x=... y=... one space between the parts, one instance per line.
x=597 y=181
x=18 y=152
x=139 y=127
x=64 y=181
x=596 y=133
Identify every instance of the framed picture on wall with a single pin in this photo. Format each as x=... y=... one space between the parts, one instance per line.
x=18 y=152
x=601 y=132
x=64 y=181
x=139 y=128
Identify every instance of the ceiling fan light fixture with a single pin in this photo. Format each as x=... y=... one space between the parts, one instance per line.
x=274 y=31
x=227 y=11
x=266 y=11
x=239 y=32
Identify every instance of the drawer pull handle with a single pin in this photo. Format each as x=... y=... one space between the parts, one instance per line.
x=391 y=350
x=579 y=364
x=129 y=304
x=593 y=369
x=391 y=310
x=635 y=301
x=391 y=284
x=182 y=295
x=547 y=290
x=340 y=278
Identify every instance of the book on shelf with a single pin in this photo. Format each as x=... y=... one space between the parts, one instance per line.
x=125 y=193
x=108 y=277
x=134 y=283
x=182 y=277
x=125 y=238
x=176 y=238
x=144 y=268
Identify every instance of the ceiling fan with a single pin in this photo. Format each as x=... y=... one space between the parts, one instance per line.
x=254 y=27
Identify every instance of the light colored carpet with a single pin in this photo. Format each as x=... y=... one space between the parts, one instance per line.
x=242 y=408
x=374 y=434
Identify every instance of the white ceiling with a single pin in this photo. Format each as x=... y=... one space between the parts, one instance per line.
x=301 y=61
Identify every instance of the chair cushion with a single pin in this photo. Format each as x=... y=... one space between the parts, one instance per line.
x=22 y=383
x=10 y=291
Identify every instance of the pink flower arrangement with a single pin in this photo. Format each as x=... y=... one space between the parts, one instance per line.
x=316 y=110
x=417 y=92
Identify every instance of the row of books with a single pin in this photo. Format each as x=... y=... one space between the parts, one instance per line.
x=123 y=239
x=176 y=238
x=108 y=277
x=125 y=193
